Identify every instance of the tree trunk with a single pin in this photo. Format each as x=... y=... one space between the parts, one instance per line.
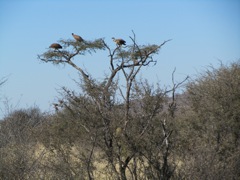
x=123 y=173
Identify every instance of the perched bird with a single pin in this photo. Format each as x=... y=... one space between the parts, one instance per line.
x=55 y=46
x=119 y=41
x=77 y=37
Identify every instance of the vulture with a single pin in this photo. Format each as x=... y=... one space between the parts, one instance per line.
x=55 y=46
x=77 y=37
x=119 y=41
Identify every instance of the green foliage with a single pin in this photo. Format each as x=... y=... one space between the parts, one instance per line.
x=208 y=125
x=138 y=130
x=17 y=139
x=71 y=48
x=215 y=98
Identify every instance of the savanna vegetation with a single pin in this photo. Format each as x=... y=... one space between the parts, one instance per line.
x=124 y=127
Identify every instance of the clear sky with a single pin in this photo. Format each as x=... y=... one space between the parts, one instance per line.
x=203 y=32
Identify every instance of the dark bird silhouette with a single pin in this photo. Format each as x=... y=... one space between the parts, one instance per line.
x=119 y=41
x=55 y=46
x=77 y=37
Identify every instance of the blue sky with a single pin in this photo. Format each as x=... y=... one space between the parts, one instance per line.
x=203 y=33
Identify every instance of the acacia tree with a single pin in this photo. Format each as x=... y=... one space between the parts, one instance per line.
x=125 y=126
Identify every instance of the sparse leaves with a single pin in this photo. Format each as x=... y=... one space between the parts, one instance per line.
x=120 y=127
